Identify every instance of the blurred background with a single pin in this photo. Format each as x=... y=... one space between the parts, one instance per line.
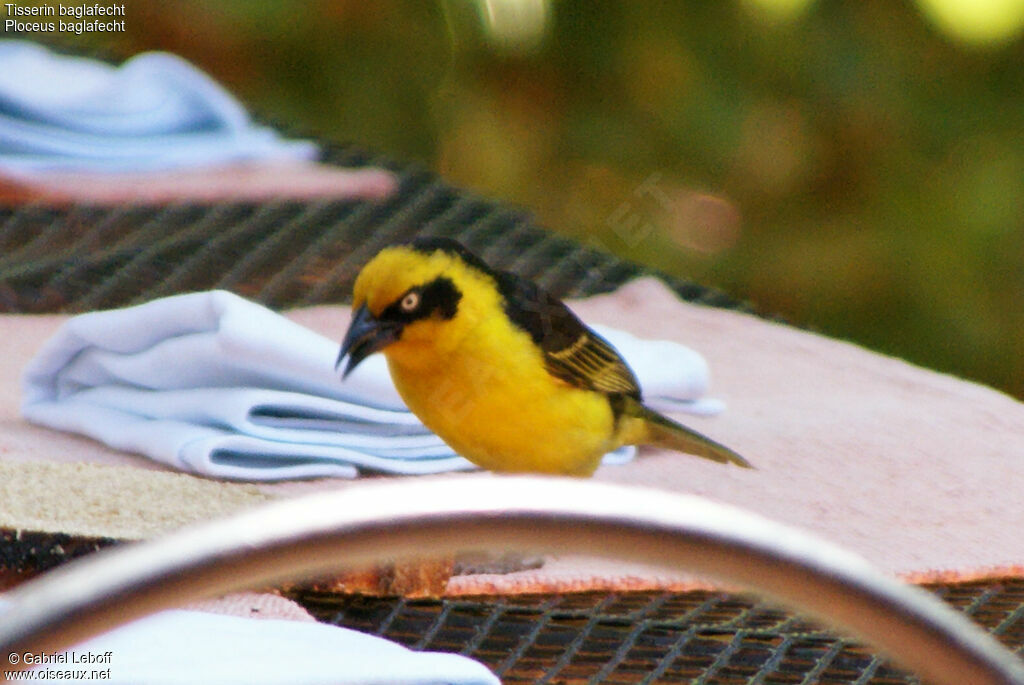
x=855 y=167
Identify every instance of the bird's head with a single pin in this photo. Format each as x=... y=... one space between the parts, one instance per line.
x=414 y=301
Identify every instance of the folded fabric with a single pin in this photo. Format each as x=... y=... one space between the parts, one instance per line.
x=156 y=111
x=214 y=384
x=181 y=647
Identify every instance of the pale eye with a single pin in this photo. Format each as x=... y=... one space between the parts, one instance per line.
x=410 y=302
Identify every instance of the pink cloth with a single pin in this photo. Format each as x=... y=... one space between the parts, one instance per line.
x=917 y=471
x=253 y=182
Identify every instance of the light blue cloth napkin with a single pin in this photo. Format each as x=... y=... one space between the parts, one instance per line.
x=217 y=385
x=154 y=112
x=181 y=647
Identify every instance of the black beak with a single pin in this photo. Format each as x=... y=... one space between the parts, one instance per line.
x=366 y=335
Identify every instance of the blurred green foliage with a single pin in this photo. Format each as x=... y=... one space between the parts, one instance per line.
x=850 y=167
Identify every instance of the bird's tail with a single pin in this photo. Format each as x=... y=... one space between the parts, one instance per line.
x=662 y=431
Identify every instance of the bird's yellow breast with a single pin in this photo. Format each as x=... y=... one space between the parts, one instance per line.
x=492 y=400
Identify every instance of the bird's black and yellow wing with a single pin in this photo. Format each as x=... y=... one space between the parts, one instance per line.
x=580 y=357
x=572 y=352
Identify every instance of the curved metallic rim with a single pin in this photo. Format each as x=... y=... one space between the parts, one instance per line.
x=424 y=517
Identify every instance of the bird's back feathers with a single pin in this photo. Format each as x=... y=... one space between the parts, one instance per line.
x=572 y=352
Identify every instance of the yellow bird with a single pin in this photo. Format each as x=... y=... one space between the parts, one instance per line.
x=502 y=371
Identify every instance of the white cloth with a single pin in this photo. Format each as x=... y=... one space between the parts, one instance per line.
x=156 y=111
x=214 y=384
x=181 y=647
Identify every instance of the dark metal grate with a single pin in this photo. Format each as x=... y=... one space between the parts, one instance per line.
x=283 y=254
x=630 y=638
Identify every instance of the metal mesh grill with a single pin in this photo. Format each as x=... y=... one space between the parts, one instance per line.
x=692 y=637
x=282 y=254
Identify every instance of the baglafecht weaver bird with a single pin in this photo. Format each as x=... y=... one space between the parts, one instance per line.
x=502 y=371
